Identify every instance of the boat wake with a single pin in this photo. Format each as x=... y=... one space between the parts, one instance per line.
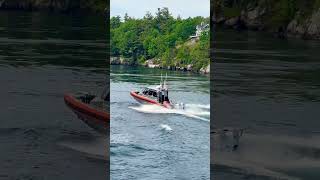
x=97 y=148
x=196 y=111
x=276 y=157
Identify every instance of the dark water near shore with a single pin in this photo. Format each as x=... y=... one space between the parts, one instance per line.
x=270 y=87
x=150 y=142
x=42 y=56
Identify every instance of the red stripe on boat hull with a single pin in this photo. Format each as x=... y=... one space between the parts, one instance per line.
x=140 y=98
x=96 y=119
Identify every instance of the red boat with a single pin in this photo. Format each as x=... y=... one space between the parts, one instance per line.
x=90 y=109
x=158 y=95
x=143 y=98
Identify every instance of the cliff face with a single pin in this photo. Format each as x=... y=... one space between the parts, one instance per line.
x=55 y=5
x=283 y=17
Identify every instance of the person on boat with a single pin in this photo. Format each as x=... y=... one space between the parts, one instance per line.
x=160 y=99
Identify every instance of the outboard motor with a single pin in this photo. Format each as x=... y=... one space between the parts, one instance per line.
x=182 y=105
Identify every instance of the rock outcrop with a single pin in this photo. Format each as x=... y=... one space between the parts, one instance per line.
x=309 y=28
x=122 y=61
x=153 y=63
x=115 y=61
x=283 y=18
x=205 y=70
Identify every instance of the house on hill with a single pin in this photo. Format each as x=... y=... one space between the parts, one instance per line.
x=201 y=28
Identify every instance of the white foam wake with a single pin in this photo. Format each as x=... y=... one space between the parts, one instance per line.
x=201 y=112
x=98 y=148
x=165 y=127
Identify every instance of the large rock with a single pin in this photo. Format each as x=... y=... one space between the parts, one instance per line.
x=313 y=29
x=126 y=61
x=264 y=15
x=232 y=21
x=115 y=61
x=309 y=28
x=205 y=70
x=189 y=67
x=253 y=18
x=151 y=63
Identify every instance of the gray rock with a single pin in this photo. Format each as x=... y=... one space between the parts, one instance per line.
x=189 y=67
x=232 y=21
x=115 y=61
x=151 y=63
x=313 y=29
x=205 y=70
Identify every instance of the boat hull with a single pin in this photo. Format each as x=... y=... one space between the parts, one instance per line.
x=146 y=100
x=95 y=118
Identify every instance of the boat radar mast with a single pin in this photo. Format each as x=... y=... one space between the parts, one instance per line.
x=161 y=84
x=165 y=82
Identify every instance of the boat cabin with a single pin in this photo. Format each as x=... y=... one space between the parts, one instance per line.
x=160 y=94
x=150 y=92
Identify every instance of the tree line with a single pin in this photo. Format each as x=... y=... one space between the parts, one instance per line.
x=161 y=37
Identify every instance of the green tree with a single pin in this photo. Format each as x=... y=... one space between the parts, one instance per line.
x=159 y=36
x=115 y=22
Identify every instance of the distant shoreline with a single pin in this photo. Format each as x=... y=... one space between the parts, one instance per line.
x=284 y=19
x=117 y=62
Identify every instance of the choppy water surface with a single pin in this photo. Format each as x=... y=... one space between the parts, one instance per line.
x=150 y=142
x=271 y=88
x=42 y=56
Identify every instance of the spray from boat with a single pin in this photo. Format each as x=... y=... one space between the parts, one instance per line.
x=191 y=111
x=156 y=100
x=165 y=127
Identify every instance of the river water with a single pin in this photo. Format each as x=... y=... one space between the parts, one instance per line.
x=42 y=56
x=271 y=89
x=150 y=142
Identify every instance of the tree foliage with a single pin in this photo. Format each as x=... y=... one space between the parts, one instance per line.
x=159 y=36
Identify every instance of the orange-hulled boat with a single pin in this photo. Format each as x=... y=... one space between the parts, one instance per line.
x=92 y=110
x=144 y=97
x=158 y=95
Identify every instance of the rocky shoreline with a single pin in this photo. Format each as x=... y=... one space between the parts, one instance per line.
x=261 y=16
x=151 y=63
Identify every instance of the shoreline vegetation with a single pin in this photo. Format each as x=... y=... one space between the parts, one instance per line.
x=160 y=41
x=283 y=18
x=66 y=6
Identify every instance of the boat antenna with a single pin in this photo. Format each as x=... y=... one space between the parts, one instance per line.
x=165 y=82
x=161 y=81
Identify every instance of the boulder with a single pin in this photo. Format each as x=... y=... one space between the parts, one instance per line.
x=115 y=61
x=126 y=61
x=189 y=67
x=253 y=18
x=205 y=70
x=232 y=21
x=151 y=63
x=313 y=29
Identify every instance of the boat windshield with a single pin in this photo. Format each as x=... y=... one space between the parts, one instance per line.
x=150 y=92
